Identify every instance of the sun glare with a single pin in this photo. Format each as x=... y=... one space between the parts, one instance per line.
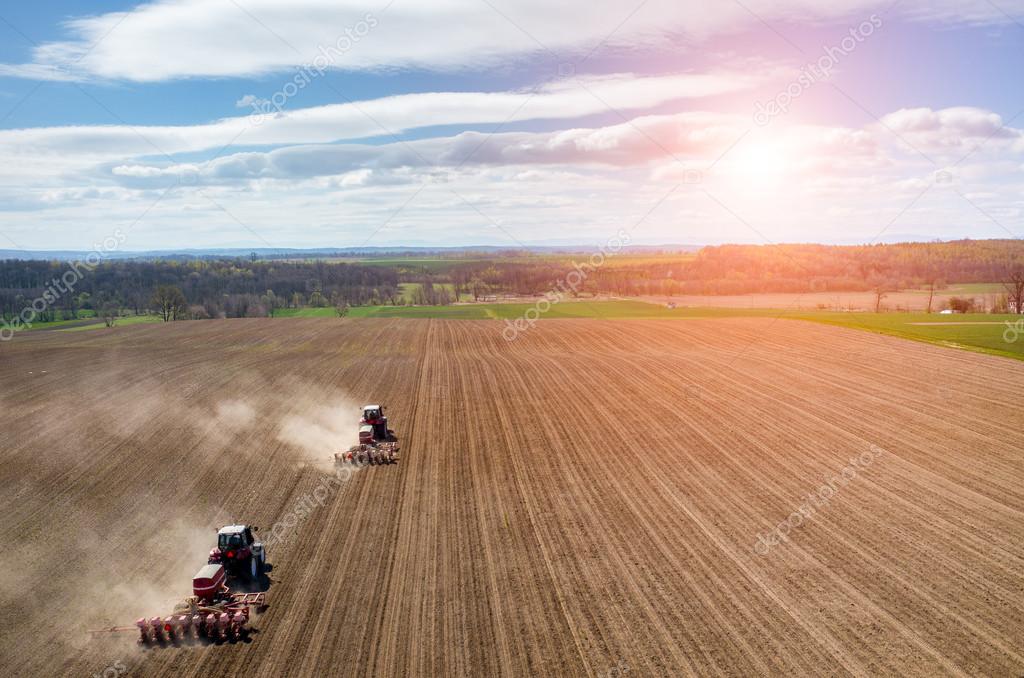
x=762 y=161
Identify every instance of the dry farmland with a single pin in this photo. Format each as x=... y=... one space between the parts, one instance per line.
x=591 y=498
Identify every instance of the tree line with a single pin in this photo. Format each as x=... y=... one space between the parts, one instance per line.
x=191 y=289
x=744 y=269
x=241 y=287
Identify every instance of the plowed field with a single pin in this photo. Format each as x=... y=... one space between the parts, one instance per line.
x=598 y=498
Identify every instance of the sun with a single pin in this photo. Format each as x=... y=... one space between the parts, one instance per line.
x=763 y=160
x=757 y=166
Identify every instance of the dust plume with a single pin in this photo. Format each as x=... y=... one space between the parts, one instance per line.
x=235 y=414
x=323 y=428
x=116 y=481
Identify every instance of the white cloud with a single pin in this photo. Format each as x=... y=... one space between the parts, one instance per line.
x=52 y=72
x=791 y=181
x=675 y=145
x=957 y=127
x=187 y=173
x=248 y=101
x=635 y=143
x=173 y=39
x=49 y=150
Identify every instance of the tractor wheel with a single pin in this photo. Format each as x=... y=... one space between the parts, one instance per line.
x=253 y=568
x=261 y=564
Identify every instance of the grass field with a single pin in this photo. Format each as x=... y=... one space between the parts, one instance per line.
x=88 y=321
x=56 y=324
x=408 y=289
x=121 y=322
x=327 y=312
x=82 y=316
x=975 y=332
x=431 y=265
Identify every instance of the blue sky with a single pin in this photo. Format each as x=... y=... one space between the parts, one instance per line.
x=486 y=122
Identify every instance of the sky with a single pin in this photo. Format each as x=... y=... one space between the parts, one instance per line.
x=336 y=123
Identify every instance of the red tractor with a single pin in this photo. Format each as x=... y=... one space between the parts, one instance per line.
x=373 y=427
x=377 y=443
x=239 y=552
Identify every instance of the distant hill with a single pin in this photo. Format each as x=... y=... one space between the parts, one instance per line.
x=322 y=252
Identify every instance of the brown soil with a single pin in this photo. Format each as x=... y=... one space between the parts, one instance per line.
x=585 y=500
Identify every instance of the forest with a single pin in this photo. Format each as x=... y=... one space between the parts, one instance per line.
x=196 y=288
x=192 y=289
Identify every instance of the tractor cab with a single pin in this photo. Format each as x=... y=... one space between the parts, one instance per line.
x=373 y=416
x=234 y=537
x=239 y=551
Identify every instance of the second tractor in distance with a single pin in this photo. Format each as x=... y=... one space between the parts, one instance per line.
x=377 y=443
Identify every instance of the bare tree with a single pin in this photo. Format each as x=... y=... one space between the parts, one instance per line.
x=317 y=299
x=340 y=305
x=1015 y=291
x=961 y=304
x=478 y=287
x=198 y=312
x=109 y=313
x=271 y=302
x=170 y=302
x=881 y=292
